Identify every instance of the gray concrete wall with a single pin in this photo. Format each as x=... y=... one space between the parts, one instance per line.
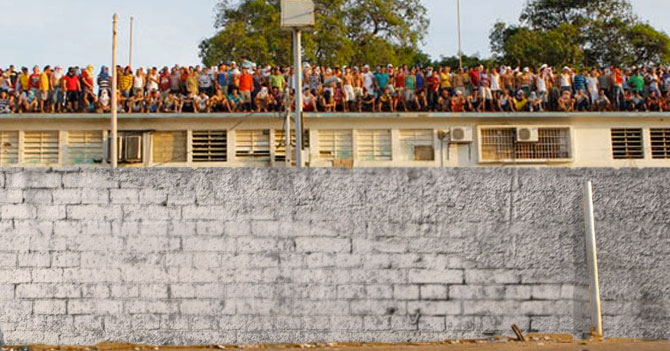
x=257 y=255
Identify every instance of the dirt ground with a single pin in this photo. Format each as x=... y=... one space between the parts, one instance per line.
x=497 y=344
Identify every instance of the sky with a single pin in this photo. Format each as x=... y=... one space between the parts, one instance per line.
x=78 y=32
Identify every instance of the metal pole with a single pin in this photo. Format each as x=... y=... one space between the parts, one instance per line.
x=287 y=130
x=592 y=258
x=130 y=51
x=115 y=104
x=298 y=97
x=460 y=50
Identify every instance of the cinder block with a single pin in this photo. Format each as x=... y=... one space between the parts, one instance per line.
x=95 y=307
x=150 y=212
x=154 y=291
x=346 y=323
x=150 y=306
x=33 y=179
x=447 y=276
x=18 y=211
x=432 y=324
x=212 y=228
x=499 y=276
x=94 y=196
x=124 y=196
x=322 y=244
x=380 y=291
x=66 y=196
x=376 y=323
x=90 y=180
x=237 y=228
x=476 y=292
x=11 y=196
x=546 y=292
x=65 y=259
x=153 y=196
x=404 y=323
x=434 y=292
x=206 y=307
x=406 y=292
x=51 y=212
x=207 y=212
x=49 y=307
x=518 y=292
x=37 y=196
x=435 y=308
x=8 y=260
x=35 y=259
x=94 y=212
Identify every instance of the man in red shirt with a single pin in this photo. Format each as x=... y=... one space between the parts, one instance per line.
x=432 y=88
x=72 y=90
x=35 y=81
x=246 y=85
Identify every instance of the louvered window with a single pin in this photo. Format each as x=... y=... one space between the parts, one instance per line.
x=499 y=144
x=252 y=144
x=40 y=148
x=417 y=145
x=169 y=147
x=84 y=147
x=280 y=143
x=660 y=143
x=335 y=144
x=210 y=146
x=374 y=145
x=9 y=148
x=627 y=144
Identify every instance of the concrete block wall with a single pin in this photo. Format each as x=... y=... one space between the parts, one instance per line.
x=181 y=256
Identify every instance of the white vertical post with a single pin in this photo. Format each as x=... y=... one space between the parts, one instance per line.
x=115 y=105
x=297 y=47
x=460 y=50
x=130 y=51
x=592 y=258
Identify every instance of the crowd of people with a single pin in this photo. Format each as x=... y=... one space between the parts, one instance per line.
x=248 y=87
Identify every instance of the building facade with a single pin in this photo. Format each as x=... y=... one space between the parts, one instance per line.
x=619 y=140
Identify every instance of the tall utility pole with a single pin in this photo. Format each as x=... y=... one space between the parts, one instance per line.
x=115 y=105
x=460 y=49
x=592 y=260
x=130 y=51
x=297 y=52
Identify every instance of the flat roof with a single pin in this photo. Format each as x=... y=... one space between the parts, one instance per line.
x=357 y=115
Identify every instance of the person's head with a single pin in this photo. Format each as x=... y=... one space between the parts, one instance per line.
x=47 y=69
x=36 y=69
x=3 y=94
x=128 y=70
x=24 y=70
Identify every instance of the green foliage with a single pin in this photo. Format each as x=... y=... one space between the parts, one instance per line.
x=578 y=32
x=648 y=45
x=468 y=62
x=346 y=32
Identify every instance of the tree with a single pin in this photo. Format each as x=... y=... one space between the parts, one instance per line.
x=648 y=45
x=596 y=32
x=522 y=46
x=346 y=32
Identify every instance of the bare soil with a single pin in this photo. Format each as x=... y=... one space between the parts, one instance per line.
x=544 y=343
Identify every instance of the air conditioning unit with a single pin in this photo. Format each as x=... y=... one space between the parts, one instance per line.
x=129 y=148
x=132 y=149
x=527 y=135
x=461 y=135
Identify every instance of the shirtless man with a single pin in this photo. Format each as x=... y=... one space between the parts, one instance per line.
x=349 y=92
